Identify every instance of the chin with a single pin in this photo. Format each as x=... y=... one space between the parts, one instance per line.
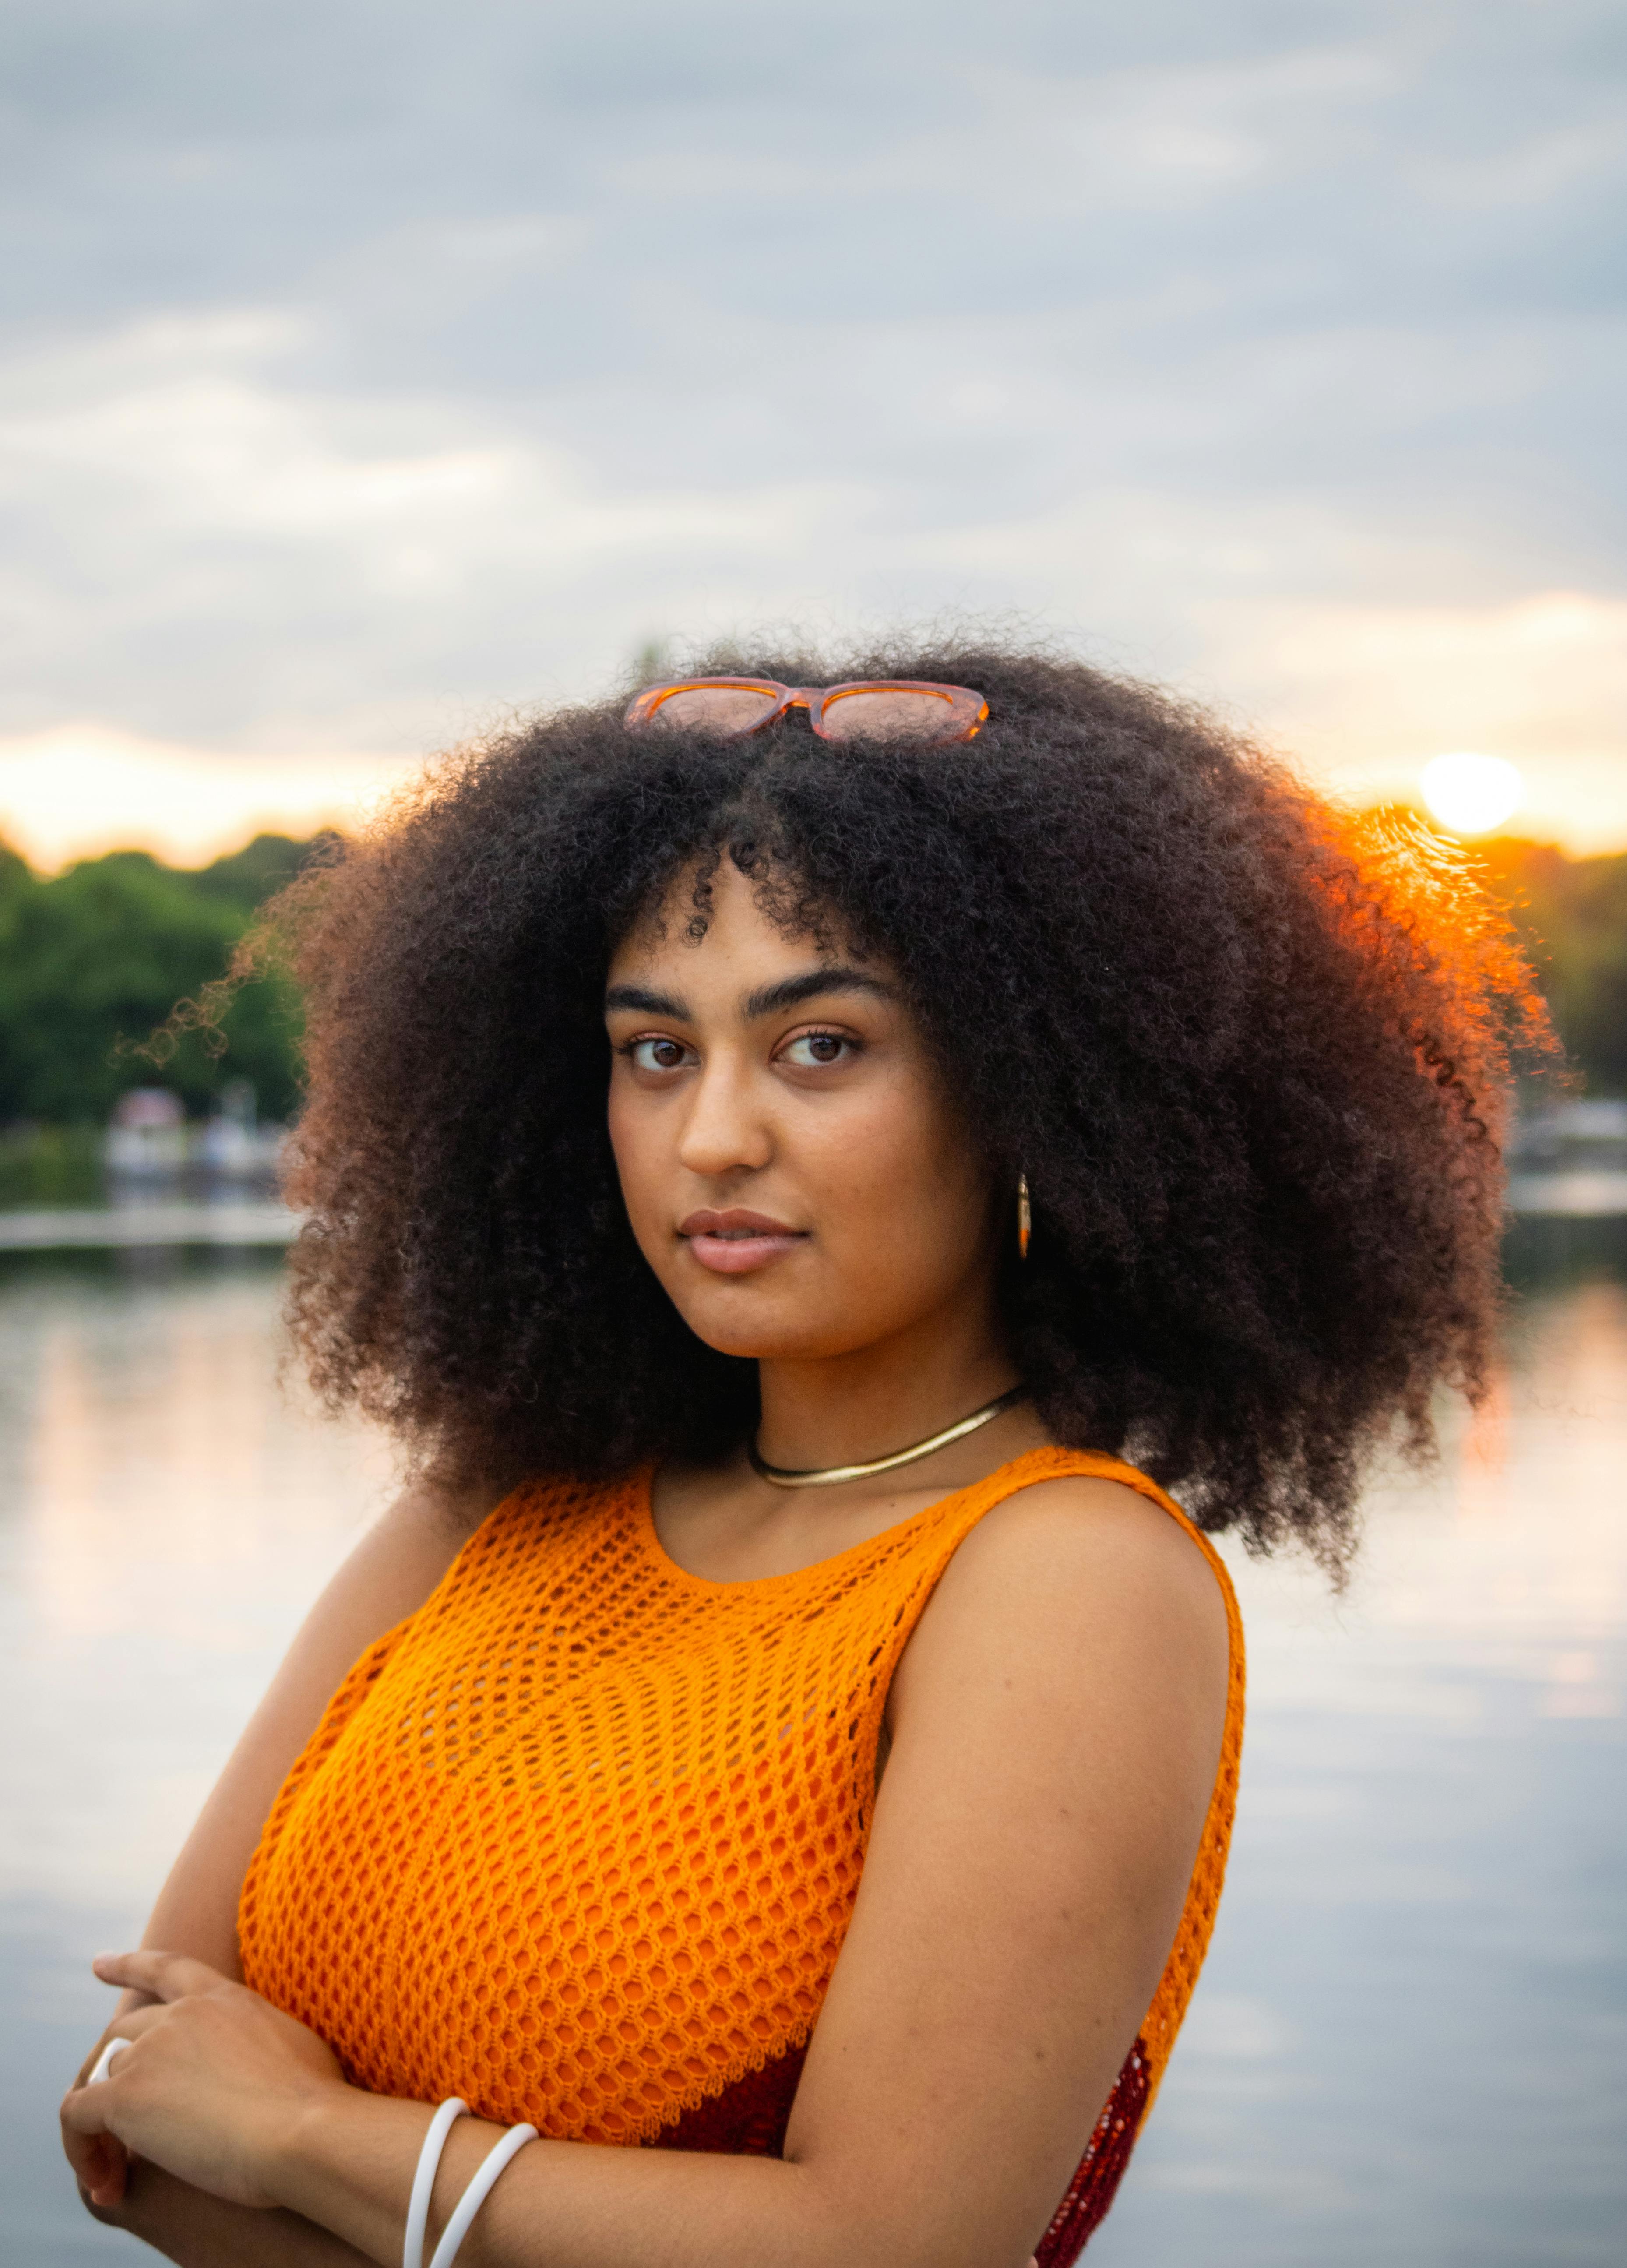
x=765 y=1346
x=723 y=1327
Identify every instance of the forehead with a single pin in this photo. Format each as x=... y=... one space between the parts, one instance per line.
x=733 y=925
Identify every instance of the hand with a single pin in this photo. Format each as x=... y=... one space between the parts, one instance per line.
x=213 y=2081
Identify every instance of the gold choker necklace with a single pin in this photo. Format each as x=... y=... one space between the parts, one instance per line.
x=829 y=1476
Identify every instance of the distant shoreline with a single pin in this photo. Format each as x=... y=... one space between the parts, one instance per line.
x=101 y=1228
x=1586 y=1195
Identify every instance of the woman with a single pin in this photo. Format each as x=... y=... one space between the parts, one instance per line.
x=776 y=1726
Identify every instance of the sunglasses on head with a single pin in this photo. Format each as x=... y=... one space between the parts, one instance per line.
x=866 y=709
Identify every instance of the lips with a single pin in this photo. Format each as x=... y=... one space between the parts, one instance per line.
x=736 y=1243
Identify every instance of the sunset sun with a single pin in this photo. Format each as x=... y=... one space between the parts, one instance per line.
x=1472 y=794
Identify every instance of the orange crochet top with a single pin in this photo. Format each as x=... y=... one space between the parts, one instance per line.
x=580 y=1841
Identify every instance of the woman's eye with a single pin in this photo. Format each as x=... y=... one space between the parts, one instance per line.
x=657 y=1055
x=811 y=1047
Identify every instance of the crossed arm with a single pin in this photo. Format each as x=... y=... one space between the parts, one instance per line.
x=1056 y=1720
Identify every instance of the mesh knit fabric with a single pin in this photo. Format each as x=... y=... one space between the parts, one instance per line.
x=580 y=1841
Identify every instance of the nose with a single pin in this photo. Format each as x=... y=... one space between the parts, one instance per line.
x=725 y=1131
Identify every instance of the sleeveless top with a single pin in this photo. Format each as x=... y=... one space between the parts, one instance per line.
x=580 y=1839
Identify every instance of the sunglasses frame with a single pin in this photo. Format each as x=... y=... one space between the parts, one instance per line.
x=966 y=711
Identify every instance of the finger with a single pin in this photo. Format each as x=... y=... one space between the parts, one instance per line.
x=96 y=2159
x=126 y=2030
x=85 y=2112
x=122 y=2033
x=101 y=2070
x=116 y=2028
x=100 y=2162
x=109 y=2188
x=89 y=2065
x=101 y=2165
x=166 y=1976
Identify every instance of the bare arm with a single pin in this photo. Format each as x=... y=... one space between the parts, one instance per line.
x=1058 y=1722
x=197 y=2230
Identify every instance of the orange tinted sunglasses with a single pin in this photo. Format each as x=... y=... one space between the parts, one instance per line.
x=866 y=709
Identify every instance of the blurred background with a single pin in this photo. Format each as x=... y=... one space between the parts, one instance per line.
x=369 y=374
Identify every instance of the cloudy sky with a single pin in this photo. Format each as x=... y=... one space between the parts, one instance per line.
x=368 y=369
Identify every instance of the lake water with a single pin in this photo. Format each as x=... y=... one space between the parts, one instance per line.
x=1410 y=2046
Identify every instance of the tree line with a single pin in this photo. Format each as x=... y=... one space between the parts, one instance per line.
x=93 y=961
x=1571 y=916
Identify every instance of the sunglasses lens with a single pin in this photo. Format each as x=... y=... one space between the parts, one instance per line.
x=719 y=707
x=887 y=714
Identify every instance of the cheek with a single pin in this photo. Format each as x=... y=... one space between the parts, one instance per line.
x=897 y=1176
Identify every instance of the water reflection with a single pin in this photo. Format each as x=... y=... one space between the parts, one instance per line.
x=1412 y=2043
x=166 y=1516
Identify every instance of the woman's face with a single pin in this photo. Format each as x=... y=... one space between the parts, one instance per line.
x=793 y=1169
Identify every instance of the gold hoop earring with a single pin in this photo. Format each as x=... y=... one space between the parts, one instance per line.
x=1025 y=1217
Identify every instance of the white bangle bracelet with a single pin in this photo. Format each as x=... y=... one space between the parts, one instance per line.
x=423 y=2180
x=478 y=2191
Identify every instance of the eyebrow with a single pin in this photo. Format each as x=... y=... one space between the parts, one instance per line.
x=792 y=991
x=767 y=1000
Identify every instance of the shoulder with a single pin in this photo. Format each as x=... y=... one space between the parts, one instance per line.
x=1090 y=1580
x=1092 y=1543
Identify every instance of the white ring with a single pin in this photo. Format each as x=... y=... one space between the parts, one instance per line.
x=99 y=2069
